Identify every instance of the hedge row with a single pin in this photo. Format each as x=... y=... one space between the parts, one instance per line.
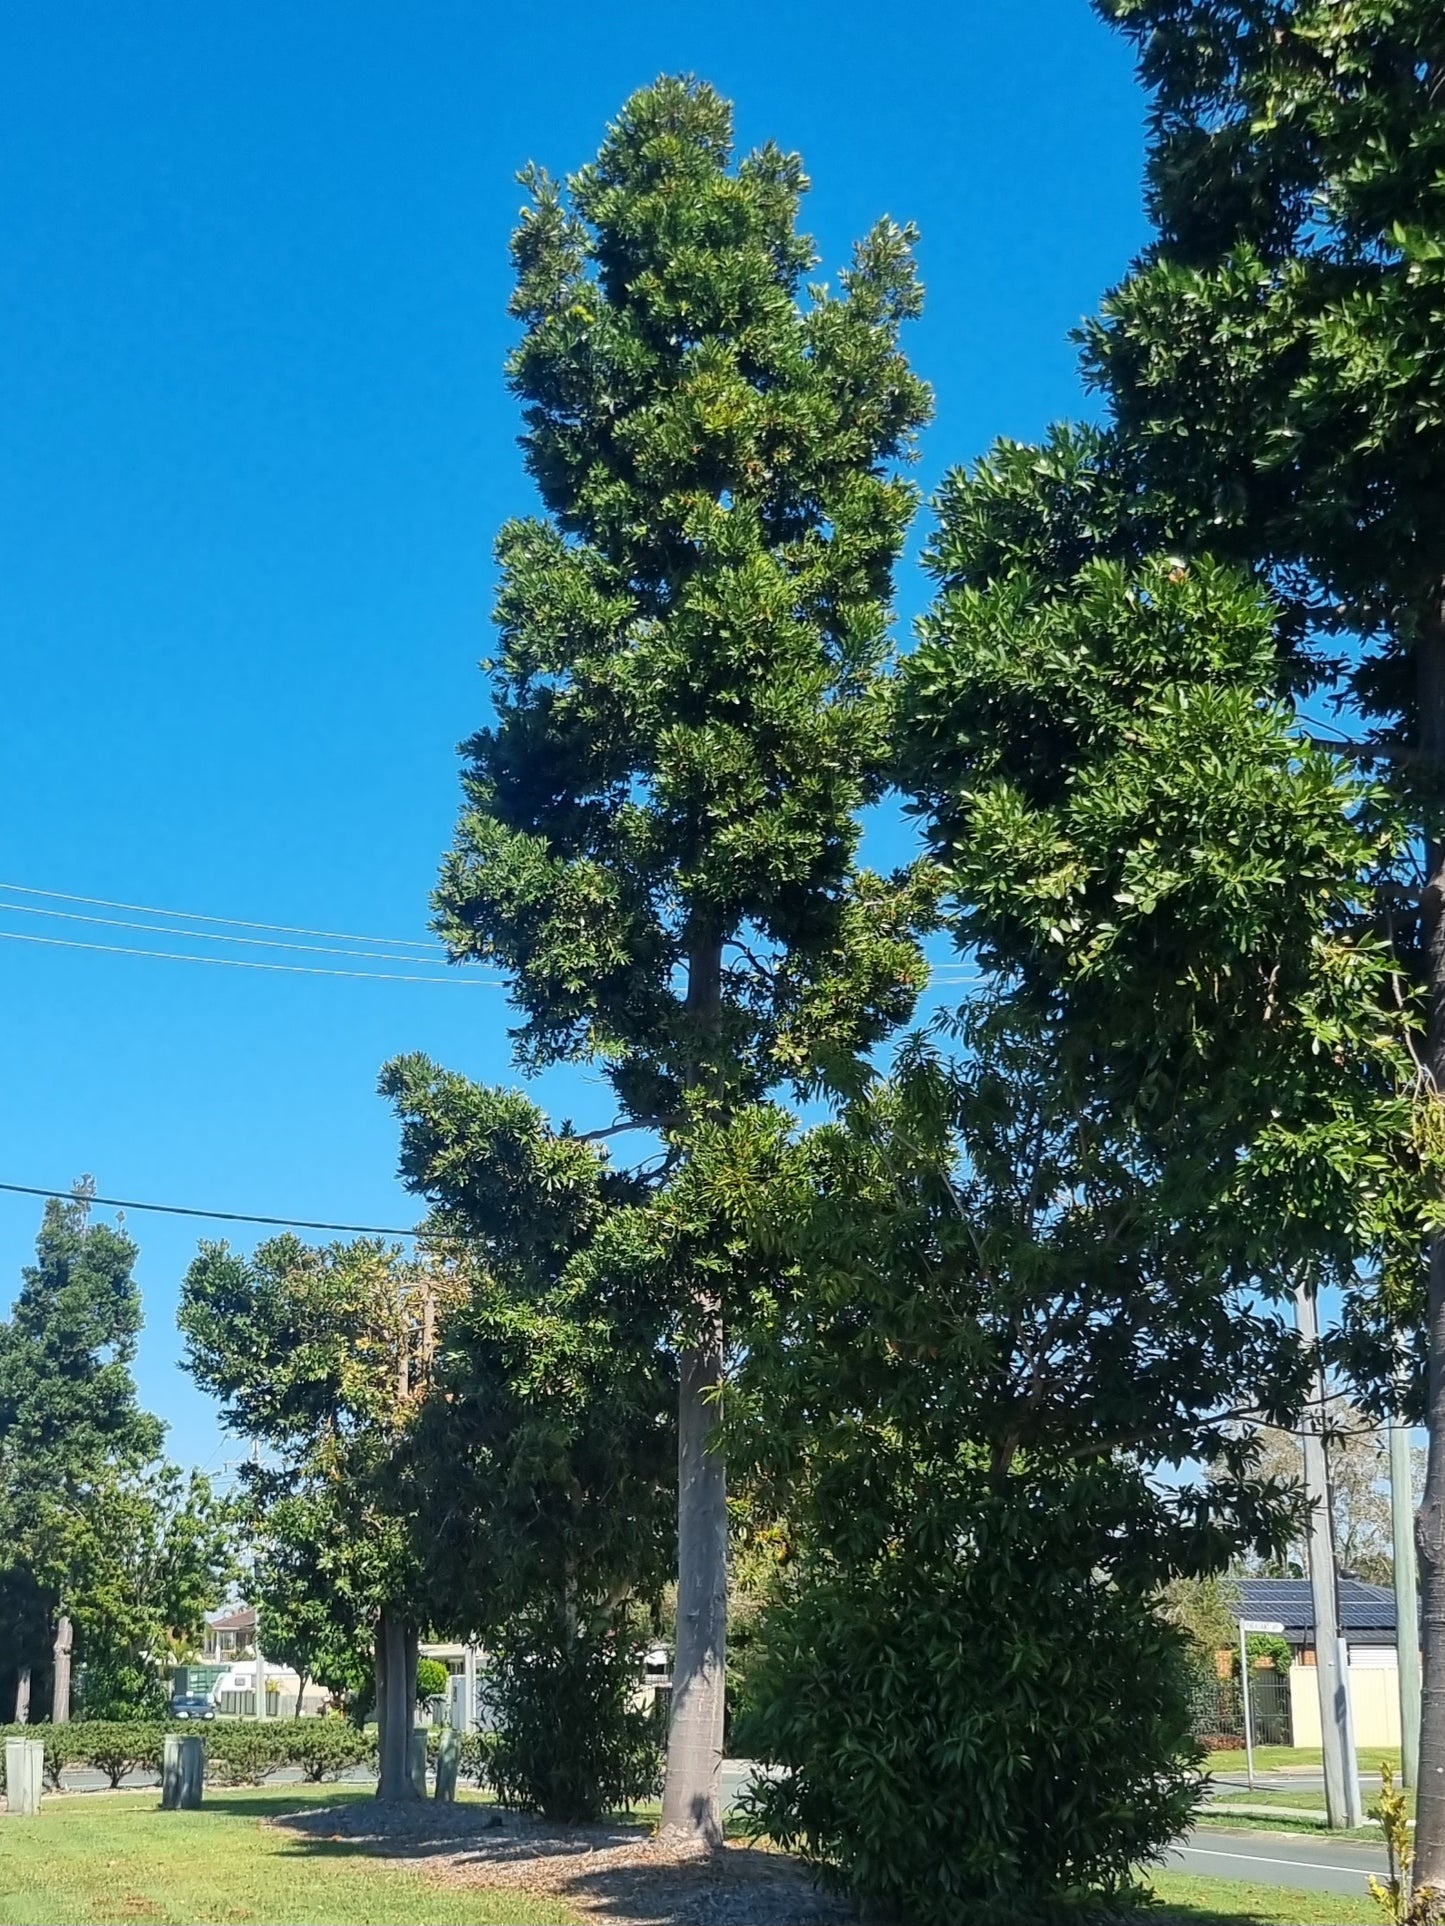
x=239 y=1752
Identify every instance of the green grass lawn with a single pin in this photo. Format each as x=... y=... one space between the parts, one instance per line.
x=1277 y=1758
x=118 y=1858
x=1232 y=1902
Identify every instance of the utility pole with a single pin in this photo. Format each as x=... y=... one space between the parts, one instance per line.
x=1407 y=1609
x=1342 y=1777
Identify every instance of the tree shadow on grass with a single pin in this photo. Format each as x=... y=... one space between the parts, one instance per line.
x=611 y=1871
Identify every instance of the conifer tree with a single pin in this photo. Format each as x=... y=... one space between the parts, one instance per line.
x=659 y=834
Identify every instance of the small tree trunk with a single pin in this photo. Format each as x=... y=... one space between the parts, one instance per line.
x=1430 y=1522
x=692 y=1797
x=22 y=1696
x=60 y=1687
x=395 y=1680
x=300 y=1694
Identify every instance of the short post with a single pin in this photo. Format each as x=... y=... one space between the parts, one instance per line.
x=24 y=1775
x=449 y=1758
x=183 y=1772
x=416 y=1738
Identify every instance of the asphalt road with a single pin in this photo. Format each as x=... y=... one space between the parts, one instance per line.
x=1280 y=1859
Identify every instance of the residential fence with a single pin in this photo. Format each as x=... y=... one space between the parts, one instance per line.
x=1218 y=1710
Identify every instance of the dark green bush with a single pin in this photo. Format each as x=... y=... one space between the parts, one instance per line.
x=567 y=1742
x=240 y=1752
x=115 y=1747
x=970 y=1737
x=324 y=1748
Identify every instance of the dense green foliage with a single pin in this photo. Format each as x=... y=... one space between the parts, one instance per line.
x=313 y=1589
x=310 y=1352
x=690 y=711
x=238 y=1751
x=660 y=829
x=1273 y=369
x=1274 y=366
x=543 y=1460
x=989 y=1734
x=93 y=1523
x=568 y=1742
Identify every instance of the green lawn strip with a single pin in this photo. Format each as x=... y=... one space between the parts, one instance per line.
x=1285 y=1821
x=1279 y=1758
x=1203 y=1901
x=117 y=1860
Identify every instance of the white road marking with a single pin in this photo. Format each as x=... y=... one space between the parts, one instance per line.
x=1258 y=1859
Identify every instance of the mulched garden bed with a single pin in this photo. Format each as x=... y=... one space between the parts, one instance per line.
x=617 y=1873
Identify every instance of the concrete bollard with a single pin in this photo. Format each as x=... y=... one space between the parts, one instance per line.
x=449 y=1757
x=183 y=1772
x=24 y=1775
x=416 y=1759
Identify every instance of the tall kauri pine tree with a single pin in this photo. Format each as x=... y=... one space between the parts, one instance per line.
x=69 y=1424
x=660 y=826
x=1276 y=368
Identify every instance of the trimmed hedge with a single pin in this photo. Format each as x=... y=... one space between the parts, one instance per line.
x=238 y=1751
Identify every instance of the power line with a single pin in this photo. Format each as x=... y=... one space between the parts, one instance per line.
x=245 y=963
x=214 y=936
x=228 y=1216
x=196 y=916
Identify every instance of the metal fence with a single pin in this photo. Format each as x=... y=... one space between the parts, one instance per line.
x=1218 y=1710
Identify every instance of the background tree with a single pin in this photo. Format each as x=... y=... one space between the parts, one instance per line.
x=1359 y=1474
x=70 y=1426
x=659 y=832
x=991 y=1334
x=323 y=1356
x=157 y=1555
x=311 y=1585
x=543 y=1461
x=1274 y=365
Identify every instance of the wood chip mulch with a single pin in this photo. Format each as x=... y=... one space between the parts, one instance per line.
x=617 y=1873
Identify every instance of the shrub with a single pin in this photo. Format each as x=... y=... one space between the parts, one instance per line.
x=116 y=1747
x=323 y=1748
x=241 y=1752
x=432 y=1679
x=567 y=1742
x=969 y=1735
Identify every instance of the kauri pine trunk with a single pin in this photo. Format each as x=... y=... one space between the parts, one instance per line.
x=691 y=1799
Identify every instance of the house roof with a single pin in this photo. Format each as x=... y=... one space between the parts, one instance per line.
x=232 y=1618
x=1366 y=1611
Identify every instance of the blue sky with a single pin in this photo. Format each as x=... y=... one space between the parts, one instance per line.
x=258 y=443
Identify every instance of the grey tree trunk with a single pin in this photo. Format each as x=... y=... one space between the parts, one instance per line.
x=1407 y=1598
x=396 y=1650
x=1342 y=1778
x=22 y=1696
x=300 y=1693
x=1430 y=1521
x=692 y=1796
x=60 y=1687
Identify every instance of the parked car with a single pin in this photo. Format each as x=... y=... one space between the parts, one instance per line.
x=192 y=1705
